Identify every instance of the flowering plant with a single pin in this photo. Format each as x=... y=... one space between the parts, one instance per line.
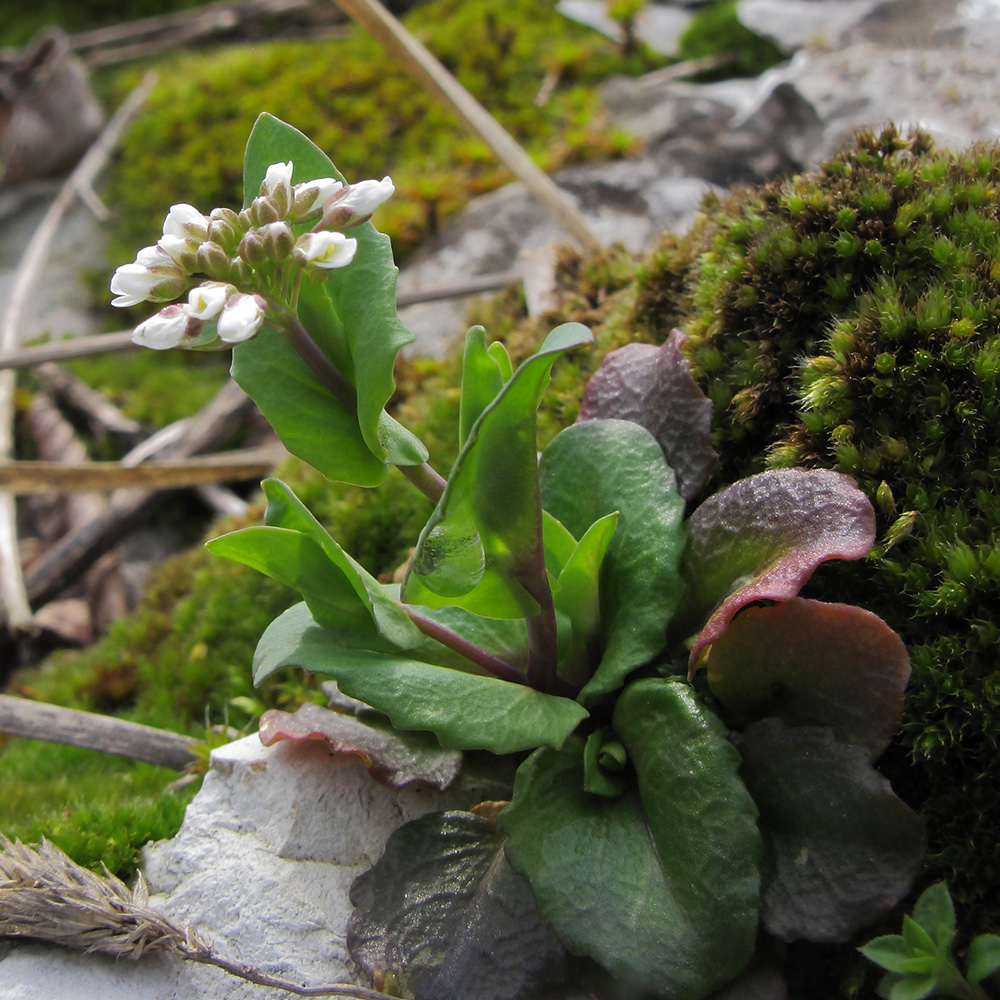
x=693 y=741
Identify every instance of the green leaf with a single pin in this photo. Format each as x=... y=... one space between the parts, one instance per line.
x=890 y=952
x=841 y=848
x=810 y=663
x=443 y=914
x=659 y=885
x=558 y=543
x=589 y=471
x=294 y=559
x=915 y=988
x=596 y=779
x=482 y=547
x=935 y=913
x=482 y=381
x=285 y=510
x=352 y=317
x=917 y=939
x=984 y=957
x=465 y=711
x=394 y=758
x=578 y=597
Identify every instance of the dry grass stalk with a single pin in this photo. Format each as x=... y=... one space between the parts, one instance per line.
x=47 y=896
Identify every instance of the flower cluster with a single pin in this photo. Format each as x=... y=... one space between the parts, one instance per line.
x=243 y=264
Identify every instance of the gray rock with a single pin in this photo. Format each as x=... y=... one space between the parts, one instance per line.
x=262 y=867
x=792 y=24
x=626 y=201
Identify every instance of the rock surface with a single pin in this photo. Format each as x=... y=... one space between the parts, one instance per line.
x=262 y=867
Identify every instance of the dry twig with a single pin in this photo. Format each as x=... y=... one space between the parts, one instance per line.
x=413 y=56
x=13 y=594
x=45 y=895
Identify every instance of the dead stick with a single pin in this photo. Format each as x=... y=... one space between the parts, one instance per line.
x=35 y=720
x=101 y=414
x=13 y=594
x=419 y=63
x=72 y=555
x=105 y=343
x=24 y=478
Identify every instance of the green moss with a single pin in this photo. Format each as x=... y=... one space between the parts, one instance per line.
x=97 y=809
x=369 y=115
x=850 y=318
x=716 y=28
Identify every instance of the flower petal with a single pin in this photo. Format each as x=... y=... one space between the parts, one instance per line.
x=164 y=329
x=241 y=318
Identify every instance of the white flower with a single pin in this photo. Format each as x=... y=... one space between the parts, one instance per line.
x=241 y=318
x=356 y=203
x=181 y=251
x=278 y=186
x=153 y=257
x=325 y=250
x=310 y=196
x=135 y=283
x=164 y=330
x=186 y=222
x=207 y=300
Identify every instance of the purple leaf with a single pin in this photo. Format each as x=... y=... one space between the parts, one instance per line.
x=810 y=663
x=394 y=758
x=761 y=539
x=652 y=386
x=840 y=849
x=443 y=914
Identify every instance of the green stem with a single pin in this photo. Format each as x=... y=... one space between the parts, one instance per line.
x=476 y=654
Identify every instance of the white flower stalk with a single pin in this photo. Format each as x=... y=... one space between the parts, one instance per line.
x=208 y=299
x=309 y=197
x=166 y=329
x=356 y=203
x=325 y=250
x=277 y=186
x=135 y=283
x=185 y=222
x=241 y=318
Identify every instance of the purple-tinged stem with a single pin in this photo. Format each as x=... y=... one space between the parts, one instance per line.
x=476 y=654
x=422 y=476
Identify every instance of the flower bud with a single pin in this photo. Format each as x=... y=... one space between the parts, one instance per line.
x=277 y=186
x=355 y=203
x=241 y=318
x=213 y=261
x=185 y=222
x=264 y=211
x=278 y=240
x=309 y=198
x=252 y=248
x=183 y=252
x=240 y=273
x=208 y=299
x=325 y=250
x=226 y=229
x=166 y=329
x=135 y=283
x=153 y=257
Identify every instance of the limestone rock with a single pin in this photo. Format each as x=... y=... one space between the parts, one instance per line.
x=262 y=867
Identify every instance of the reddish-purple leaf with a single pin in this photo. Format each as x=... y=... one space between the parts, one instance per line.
x=810 y=663
x=393 y=757
x=761 y=539
x=840 y=849
x=652 y=386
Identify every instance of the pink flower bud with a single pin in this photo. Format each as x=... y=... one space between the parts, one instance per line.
x=166 y=329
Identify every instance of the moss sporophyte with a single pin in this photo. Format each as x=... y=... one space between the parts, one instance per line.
x=693 y=741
